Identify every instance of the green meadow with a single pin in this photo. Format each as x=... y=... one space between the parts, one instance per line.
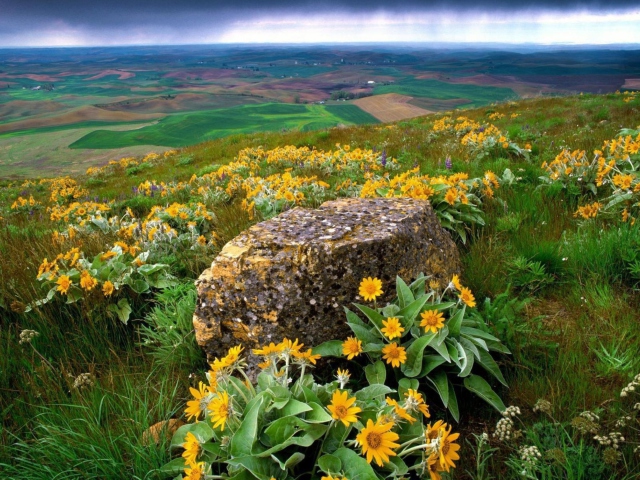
x=180 y=130
x=475 y=95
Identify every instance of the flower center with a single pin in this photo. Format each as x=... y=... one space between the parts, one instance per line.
x=394 y=353
x=341 y=411
x=445 y=447
x=374 y=440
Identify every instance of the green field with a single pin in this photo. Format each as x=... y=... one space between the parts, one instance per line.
x=475 y=94
x=188 y=128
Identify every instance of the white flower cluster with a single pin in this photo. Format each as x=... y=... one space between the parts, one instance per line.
x=511 y=412
x=592 y=417
x=505 y=430
x=611 y=440
x=543 y=406
x=530 y=457
x=631 y=387
x=622 y=421
x=83 y=380
x=27 y=335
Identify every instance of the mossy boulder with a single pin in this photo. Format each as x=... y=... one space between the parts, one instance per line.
x=290 y=276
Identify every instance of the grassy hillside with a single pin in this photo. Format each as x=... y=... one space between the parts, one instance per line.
x=547 y=235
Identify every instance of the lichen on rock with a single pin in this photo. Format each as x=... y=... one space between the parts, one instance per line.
x=290 y=276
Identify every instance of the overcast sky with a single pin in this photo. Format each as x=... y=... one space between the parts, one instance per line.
x=150 y=22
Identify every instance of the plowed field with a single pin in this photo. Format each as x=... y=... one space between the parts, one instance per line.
x=390 y=107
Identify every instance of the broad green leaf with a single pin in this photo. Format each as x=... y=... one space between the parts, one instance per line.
x=372 y=391
x=406 y=384
x=293 y=460
x=405 y=295
x=415 y=355
x=411 y=311
x=430 y=363
x=453 y=352
x=139 y=286
x=373 y=315
x=453 y=403
x=308 y=434
x=469 y=345
x=474 y=332
x=487 y=362
x=391 y=310
x=498 y=347
x=417 y=286
x=281 y=430
x=353 y=318
x=364 y=334
x=442 y=335
x=262 y=468
x=441 y=383
x=329 y=464
x=354 y=466
x=294 y=407
x=201 y=430
x=375 y=372
x=373 y=347
x=442 y=350
x=246 y=435
x=332 y=348
x=317 y=414
x=122 y=309
x=480 y=387
x=396 y=465
x=335 y=437
x=176 y=465
x=455 y=322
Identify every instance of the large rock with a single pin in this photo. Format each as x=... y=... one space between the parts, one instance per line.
x=291 y=275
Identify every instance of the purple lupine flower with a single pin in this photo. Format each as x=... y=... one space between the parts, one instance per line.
x=135 y=190
x=480 y=129
x=374 y=149
x=383 y=158
x=223 y=176
x=154 y=187
x=24 y=193
x=448 y=164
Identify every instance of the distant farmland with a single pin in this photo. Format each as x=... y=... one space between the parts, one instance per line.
x=390 y=107
x=185 y=129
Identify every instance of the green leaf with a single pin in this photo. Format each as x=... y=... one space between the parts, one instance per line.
x=176 y=465
x=122 y=309
x=139 y=286
x=453 y=403
x=476 y=333
x=405 y=296
x=332 y=348
x=441 y=348
x=406 y=384
x=335 y=437
x=397 y=466
x=262 y=468
x=430 y=363
x=353 y=318
x=330 y=464
x=317 y=414
x=294 y=407
x=455 y=322
x=480 y=387
x=372 y=391
x=293 y=460
x=390 y=310
x=415 y=355
x=364 y=334
x=201 y=430
x=376 y=372
x=487 y=362
x=246 y=435
x=417 y=286
x=354 y=466
x=409 y=313
x=441 y=383
x=373 y=315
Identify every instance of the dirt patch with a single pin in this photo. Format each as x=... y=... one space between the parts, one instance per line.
x=121 y=75
x=390 y=107
x=81 y=114
x=22 y=108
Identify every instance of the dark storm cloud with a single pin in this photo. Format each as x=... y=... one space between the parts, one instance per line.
x=102 y=11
